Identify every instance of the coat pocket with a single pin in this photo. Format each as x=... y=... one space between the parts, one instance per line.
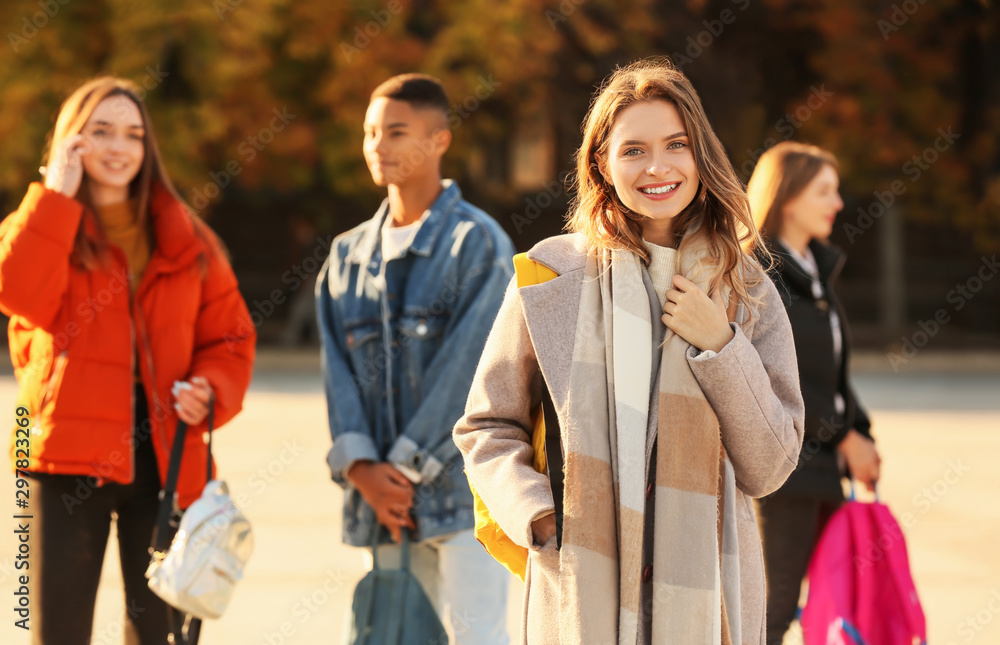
x=541 y=596
x=421 y=337
x=365 y=353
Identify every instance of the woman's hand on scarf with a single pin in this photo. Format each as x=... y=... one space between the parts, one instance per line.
x=698 y=319
x=192 y=399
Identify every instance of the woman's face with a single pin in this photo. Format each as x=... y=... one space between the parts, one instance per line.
x=812 y=212
x=115 y=134
x=651 y=164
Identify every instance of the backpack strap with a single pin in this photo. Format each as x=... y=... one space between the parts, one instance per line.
x=899 y=567
x=530 y=273
x=185 y=629
x=161 y=532
x=553 y=457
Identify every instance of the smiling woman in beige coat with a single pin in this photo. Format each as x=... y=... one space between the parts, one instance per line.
x=671 y=367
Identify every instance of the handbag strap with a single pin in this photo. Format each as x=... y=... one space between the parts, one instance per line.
x=161 y=532
x=185 y=629
x=209 y=463
x=404 y=562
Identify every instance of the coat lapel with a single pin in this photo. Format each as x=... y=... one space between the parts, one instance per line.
x=551 y=309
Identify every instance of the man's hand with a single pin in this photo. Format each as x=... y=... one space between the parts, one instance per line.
x=863 y=460
x=387 y=491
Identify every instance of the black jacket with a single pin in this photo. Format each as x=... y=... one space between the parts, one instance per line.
x=817 y=475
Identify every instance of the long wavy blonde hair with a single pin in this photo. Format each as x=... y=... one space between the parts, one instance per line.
x=719 y=213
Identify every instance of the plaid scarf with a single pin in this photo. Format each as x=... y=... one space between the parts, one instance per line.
x=695 y=591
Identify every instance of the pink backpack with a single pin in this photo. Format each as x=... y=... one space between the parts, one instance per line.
x=860 y=588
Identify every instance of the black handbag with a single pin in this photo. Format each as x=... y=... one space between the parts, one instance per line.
x=391 y=608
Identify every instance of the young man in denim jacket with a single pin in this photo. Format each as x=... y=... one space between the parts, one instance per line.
x=405 y=303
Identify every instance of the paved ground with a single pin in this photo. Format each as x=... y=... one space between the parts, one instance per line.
x=938 y=425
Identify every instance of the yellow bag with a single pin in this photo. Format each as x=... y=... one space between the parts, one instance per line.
x=487 y=531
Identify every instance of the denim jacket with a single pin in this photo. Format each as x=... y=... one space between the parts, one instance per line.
x=401 y=342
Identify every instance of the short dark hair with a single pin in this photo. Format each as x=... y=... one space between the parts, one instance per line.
x=419 y=90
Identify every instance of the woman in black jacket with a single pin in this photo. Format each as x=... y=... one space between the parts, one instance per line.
x=794 y=198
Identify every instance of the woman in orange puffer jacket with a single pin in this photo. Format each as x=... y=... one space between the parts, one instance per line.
x=125 y=316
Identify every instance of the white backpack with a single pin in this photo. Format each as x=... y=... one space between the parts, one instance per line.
x=206 y=557
x=199 y=571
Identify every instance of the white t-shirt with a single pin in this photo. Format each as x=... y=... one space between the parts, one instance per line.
x=396 y=240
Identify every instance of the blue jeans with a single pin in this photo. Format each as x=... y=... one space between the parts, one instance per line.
x=467 y=587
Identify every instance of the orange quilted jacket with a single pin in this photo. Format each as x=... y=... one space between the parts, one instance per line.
x=74 y=335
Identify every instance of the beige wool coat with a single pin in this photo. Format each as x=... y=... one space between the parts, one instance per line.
x=752 y=385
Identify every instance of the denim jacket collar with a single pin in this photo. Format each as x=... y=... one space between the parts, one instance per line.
x=426 y=237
